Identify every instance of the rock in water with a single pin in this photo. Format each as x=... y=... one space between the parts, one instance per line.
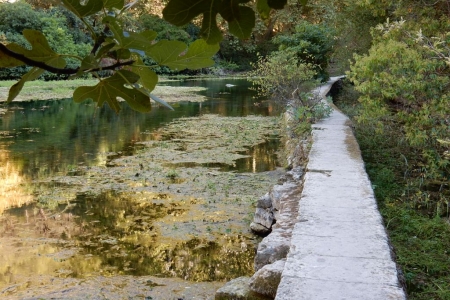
x=259 y=229
x=266 y=280
x=238 y=289
x=264 y=202
x=273 y=247
x=264 y=217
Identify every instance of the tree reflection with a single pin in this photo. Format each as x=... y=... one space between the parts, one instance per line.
x=119 y=229
x=13 y=187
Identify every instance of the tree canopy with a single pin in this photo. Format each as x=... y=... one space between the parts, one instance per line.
x=120 y=50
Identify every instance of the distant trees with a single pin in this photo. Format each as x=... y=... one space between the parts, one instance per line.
x=77 y=40
x=64 y=33
x=129 y=56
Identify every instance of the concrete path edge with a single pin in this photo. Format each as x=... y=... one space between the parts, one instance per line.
x=339 y=247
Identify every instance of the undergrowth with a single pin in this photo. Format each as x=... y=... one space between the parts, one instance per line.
x=418 y=227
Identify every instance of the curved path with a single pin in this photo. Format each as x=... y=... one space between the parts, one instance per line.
x=339 y=247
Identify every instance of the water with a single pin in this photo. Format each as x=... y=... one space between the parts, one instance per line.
x=118 y=236
x=43 y=138
x=116 y=233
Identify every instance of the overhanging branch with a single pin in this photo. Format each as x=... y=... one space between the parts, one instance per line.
x=66 y=71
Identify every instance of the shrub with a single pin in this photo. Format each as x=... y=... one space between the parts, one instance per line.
x=285 y=79
x=63 y=33
x=403 y=85
x=61 y=41
x=281 y=76
x=310 y=43
x=239 y=52
x=167 y=31
x=17 y=16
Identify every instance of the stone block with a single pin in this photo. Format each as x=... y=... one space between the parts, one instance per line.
x=272 y=248
x=264 y=202
x=238 y=289
x=266 y=280
x=263 y=217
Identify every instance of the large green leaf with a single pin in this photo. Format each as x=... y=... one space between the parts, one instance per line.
x=209 y=31
x=242 y=26
x=166 y=51
x=173 y=54
x=104 y=49
x=33 y=74
x=130 y=40
x=140 y=41
x=88 y=62
x=40 y=51
x=263 y=9
x=199 y=55
x=147 y=78
x=108 y=90
x=229 y=10
x=113 y=4
x=181 y=12
x=89 y=7
x=7 y=61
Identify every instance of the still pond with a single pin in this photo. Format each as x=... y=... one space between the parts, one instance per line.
x=87 y=192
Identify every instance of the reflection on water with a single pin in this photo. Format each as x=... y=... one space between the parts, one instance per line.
x=115 y=234
x=259 y=158
x=39 y=139
x=111 y=233
x=13 y=188
x=50 y=137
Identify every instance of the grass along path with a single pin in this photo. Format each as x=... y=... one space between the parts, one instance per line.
x=420 y=238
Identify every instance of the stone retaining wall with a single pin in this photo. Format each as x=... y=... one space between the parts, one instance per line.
x=312 y=252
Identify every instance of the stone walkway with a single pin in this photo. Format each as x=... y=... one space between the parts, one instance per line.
x=339 y=247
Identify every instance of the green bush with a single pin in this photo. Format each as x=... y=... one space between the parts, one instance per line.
x=63 y=33
x=17 y=16
x=418 y=230
x=285 y=79
x=61 y=41
x=281 y=76
x=76 y=27
x=403 y=85
x=310 y=43
x=239 y=52
x=223 y=67
x=167 y=31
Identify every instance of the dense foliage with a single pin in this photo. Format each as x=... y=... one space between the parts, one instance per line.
x=402 y=113
x=284 y=78
x=63 y=32
x=418 y=229
x=403 y=83
x=121 y=51
x=309 y=43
